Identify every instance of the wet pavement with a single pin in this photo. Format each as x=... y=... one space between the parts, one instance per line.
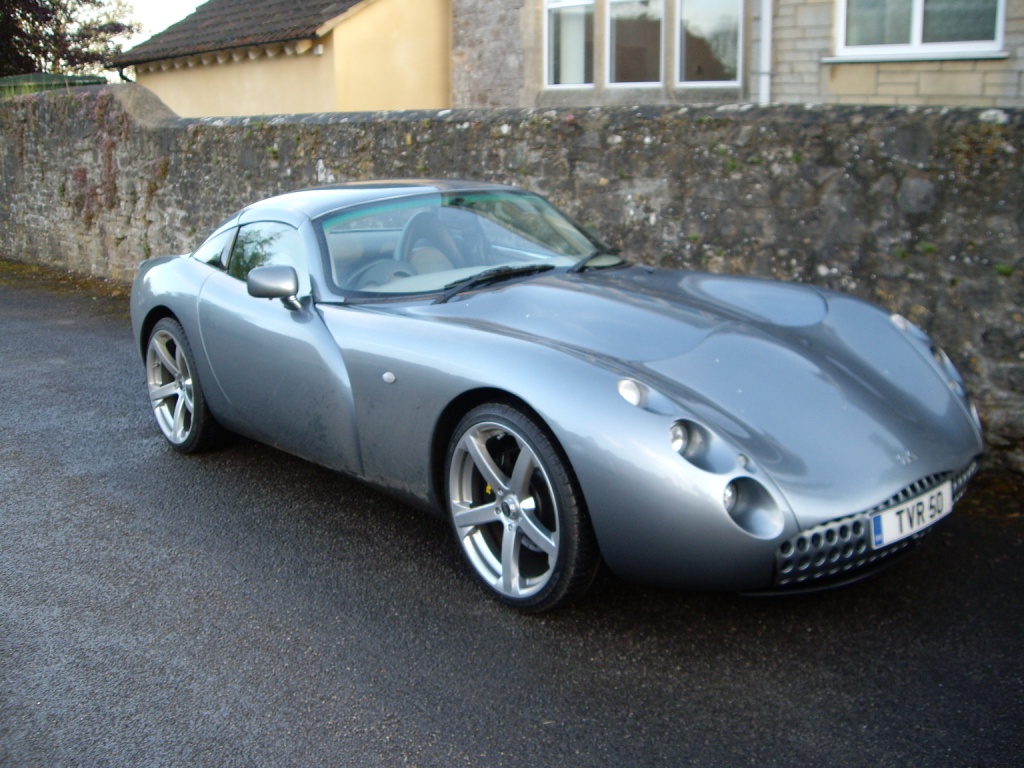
x=246 y=608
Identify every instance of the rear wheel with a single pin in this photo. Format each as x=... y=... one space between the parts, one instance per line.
x=175 y=392
x=517 y=511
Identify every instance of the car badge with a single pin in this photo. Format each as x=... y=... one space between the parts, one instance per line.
x=906 y=458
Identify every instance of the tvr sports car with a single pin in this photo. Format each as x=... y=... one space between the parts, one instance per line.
x=469 y=349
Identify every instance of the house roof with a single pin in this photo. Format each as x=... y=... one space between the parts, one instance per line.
x=219 y=25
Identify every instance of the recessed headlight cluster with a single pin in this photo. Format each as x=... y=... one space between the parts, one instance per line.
x=743 y=498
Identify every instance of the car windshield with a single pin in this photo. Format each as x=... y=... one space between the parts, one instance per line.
x=426 y=244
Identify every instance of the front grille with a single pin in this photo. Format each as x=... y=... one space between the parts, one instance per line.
x=837 y=550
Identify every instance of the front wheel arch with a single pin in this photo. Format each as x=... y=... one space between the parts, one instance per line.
x=546 y=515
x=445 y=429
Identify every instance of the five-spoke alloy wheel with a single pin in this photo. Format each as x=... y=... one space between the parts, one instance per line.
x=516 y=510
x=174 y=389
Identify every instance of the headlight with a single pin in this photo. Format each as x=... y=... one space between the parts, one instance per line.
x=942 y=358
x=753 y=509
x=976 y=416
x=631 y=392
x=680 y=436
x=731 y=497
x=953 y=378
x=908 y=327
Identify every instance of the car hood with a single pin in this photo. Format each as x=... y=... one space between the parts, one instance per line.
x=819 y=389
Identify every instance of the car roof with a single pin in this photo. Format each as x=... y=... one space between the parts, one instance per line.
x=311 y=203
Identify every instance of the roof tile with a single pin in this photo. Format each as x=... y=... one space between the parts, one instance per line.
x=219 y=25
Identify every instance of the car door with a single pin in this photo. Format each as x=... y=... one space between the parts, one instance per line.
x=276 y=365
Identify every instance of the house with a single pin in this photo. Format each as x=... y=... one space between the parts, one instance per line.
x=254 y=57
x=626 y=52
x=234 y=57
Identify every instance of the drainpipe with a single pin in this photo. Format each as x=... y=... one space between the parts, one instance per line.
x=764 y=87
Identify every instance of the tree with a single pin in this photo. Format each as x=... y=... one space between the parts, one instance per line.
x=61 y=36
x=19 y=46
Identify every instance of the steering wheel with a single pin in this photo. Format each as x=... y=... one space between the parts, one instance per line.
x=425 y=226
x=378 y=273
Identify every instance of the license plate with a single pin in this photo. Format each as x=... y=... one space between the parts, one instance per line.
x=911 y=516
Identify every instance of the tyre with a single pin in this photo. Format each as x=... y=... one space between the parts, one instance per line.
x=517 y=512
x=175 y=392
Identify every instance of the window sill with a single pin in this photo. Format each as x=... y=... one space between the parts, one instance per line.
x=877 y=58
x=561 y=96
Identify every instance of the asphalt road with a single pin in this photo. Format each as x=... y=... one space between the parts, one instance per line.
x=245 y=608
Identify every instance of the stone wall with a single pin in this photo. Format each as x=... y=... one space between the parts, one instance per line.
x=487 y=53
x=921 y=211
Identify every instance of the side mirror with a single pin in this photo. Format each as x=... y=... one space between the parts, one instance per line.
x=276 y=282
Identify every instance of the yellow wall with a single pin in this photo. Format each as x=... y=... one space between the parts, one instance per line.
x=385 y=54
x=394 y=54
x=294 y=84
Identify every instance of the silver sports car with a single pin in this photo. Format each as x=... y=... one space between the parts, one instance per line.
x=469 y=349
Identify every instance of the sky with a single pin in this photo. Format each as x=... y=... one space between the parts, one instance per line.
x=157 y=15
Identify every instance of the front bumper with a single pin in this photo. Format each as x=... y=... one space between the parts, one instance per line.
x=840 y=551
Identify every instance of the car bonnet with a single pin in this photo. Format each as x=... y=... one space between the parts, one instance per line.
x=819 y=389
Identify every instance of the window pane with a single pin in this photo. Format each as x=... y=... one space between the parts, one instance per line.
x=520 y=226
x=424 y=243
x=636 y=41
x=571 y=44
x=947 y=21
x=878 y=22
x=265 y=244
x=710 y=40
x=212 y=252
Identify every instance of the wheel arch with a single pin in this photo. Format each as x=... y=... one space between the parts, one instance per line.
x=155 y=315
x=578 y=553
x=453 y=414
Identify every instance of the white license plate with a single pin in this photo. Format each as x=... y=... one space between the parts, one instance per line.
x=911 y=516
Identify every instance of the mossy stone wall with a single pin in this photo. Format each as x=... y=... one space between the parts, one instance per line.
x=919 y=210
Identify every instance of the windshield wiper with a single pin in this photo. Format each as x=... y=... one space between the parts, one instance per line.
x=593 y=260
x=490 y=276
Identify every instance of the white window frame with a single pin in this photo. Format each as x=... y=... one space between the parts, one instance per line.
x=707 y=84
x=550 y=5
x=670 y=66
x=916 y=49
x=610 y=54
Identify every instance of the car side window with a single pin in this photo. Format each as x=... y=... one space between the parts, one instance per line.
x=264 y=244
x=215 y=250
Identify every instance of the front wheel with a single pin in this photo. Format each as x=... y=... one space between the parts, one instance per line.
x=517 y=511
x=175 y=392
